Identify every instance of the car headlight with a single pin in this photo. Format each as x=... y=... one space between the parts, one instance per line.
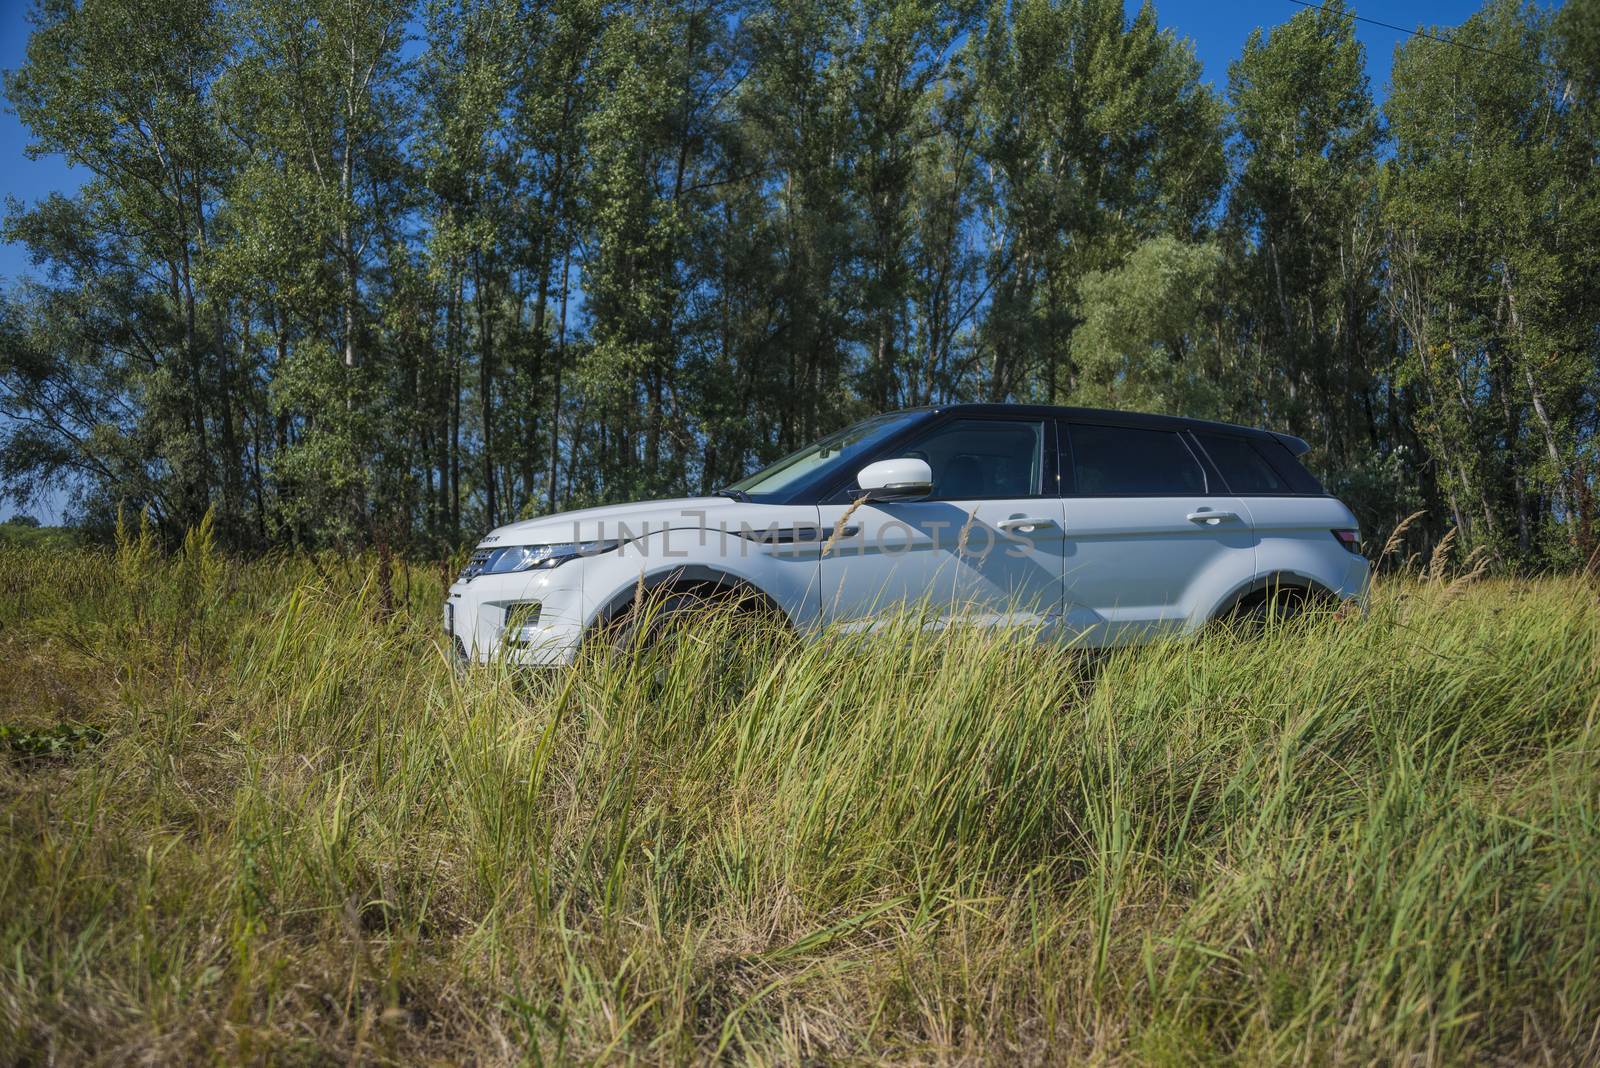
x=509 y=559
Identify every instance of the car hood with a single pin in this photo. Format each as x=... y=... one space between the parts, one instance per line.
x=621 y=520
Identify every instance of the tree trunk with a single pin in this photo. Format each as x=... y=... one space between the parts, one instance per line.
x=561 y=360
x=485 y=389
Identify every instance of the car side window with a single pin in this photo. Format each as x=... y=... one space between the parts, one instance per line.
x=1110 y=461
x=1243 y=468
x=973 y=458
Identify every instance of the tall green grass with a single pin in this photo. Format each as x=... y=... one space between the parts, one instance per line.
x=302 y=837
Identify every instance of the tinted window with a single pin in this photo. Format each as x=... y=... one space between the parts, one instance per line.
x=982 y=458
x=834 y=451
x=1289 y=466
x=1243 y=468
x=1109 y=460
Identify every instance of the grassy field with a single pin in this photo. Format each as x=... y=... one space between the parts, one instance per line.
x=251 y=815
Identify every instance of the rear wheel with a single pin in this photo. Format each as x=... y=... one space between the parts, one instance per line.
x=1273 y=606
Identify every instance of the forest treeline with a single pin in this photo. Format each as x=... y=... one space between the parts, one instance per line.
x=348 y=272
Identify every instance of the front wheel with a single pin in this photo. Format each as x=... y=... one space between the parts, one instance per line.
x=657 y=620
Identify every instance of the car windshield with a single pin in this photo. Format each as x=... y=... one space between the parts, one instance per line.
x=834 y=451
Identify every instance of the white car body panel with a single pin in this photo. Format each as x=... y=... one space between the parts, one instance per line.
x=1292 y=534
x=1138 y=567
x=913 y=553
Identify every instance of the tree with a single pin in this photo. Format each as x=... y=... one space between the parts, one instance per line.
x=1100 y=135
x=1491 y=206
x=1141 y=345
x=125 y=371
x=315 y=96
x=350 y=271
x=1303 y=221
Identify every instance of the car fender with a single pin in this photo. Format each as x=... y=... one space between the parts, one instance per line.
x=1283 y=579
x=783 y=577
x=703 y=575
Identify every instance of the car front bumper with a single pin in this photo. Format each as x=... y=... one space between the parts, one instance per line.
x=531 y=618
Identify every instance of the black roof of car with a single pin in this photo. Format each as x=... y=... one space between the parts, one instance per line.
x=1297 y=446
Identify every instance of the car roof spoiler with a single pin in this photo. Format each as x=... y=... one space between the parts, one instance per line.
x=1298 y=446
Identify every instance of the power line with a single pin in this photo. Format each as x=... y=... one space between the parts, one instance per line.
x=1424 y=33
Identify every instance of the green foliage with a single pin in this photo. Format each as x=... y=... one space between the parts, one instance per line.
x=1304 y=221
x=62 y=740
x=1494 y=205
x=1137 y=346
x=350 y=274
x=300 y=834
x=25 y=532
x=1099 y=134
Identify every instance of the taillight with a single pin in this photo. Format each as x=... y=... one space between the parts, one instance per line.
x=1350 y=539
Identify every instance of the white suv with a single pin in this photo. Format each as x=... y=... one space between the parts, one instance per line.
x=1097 y=527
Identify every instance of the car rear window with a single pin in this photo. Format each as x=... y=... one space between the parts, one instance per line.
x=1110 y=460
x=1257 y=465
x=1243 y=468
x=1289 y=466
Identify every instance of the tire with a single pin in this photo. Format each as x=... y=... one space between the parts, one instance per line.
x=1275 y=606
x=667 y=617
x=658 y=620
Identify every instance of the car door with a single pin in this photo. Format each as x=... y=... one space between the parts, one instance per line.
x=984 y=547
x=1152 y=540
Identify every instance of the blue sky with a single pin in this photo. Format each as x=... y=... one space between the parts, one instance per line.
x=20 y=177
x=1218 y=32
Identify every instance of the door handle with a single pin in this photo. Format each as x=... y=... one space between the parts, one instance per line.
x=1211 y=519
x=1026 y=522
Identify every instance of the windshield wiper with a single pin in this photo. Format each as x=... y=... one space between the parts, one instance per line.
x=729 y=491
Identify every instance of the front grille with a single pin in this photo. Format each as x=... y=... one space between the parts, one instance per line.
x=475 y=564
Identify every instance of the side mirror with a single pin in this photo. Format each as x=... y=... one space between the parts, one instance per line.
x=900 y=479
